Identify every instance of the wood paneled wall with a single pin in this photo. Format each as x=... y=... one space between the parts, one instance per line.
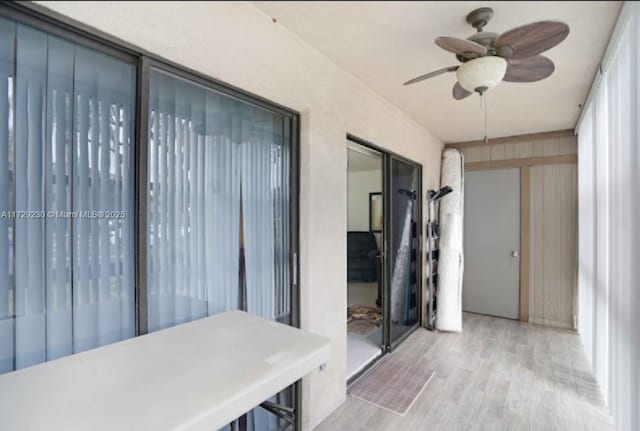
x=553 y=240
x=536 y=145
x=549 y=228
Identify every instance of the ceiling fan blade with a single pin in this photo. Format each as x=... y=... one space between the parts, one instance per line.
x=459 y=92
x=431 y=74
x=460 y=46
x=529 y=69
x=531 y=39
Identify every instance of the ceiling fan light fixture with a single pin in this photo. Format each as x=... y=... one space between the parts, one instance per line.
x=482 y=72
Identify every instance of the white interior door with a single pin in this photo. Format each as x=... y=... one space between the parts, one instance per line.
x=492 y=243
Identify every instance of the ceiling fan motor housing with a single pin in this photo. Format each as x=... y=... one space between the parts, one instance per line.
x=484 y=38
x=482 y=74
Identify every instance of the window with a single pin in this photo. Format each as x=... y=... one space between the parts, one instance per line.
x=66 y=199
x=218 y=205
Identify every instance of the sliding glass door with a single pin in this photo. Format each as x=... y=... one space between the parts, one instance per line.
x=403 y=248
x=401 y=256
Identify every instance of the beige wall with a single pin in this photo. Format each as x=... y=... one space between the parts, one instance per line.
x=360 y=184
x=238 y=44
x=551 y=227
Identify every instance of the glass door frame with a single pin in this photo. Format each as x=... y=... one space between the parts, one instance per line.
x=387 y=344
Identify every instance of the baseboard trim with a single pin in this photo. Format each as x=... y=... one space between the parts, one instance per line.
x=552 y=323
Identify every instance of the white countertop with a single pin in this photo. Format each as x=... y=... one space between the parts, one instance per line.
x=196 y=376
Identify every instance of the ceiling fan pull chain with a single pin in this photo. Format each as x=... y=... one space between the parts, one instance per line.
x=484 y=109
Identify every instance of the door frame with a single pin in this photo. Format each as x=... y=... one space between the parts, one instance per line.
x=520 y=217
x=387 y=156
x=525 y=208
x=390 y=344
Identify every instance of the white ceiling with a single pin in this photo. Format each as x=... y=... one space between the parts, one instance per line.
x=386 y=43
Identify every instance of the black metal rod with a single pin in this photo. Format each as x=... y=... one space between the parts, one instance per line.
x=280 y=411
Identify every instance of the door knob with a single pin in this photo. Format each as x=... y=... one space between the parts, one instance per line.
x=514 y=254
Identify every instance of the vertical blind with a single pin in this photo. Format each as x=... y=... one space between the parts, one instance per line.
x=66 y=197
x=609 y=225
x=218 y=189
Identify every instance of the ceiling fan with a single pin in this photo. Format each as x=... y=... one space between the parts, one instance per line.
x=488 y=58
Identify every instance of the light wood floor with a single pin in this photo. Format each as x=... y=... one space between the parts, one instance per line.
x=498 y=374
